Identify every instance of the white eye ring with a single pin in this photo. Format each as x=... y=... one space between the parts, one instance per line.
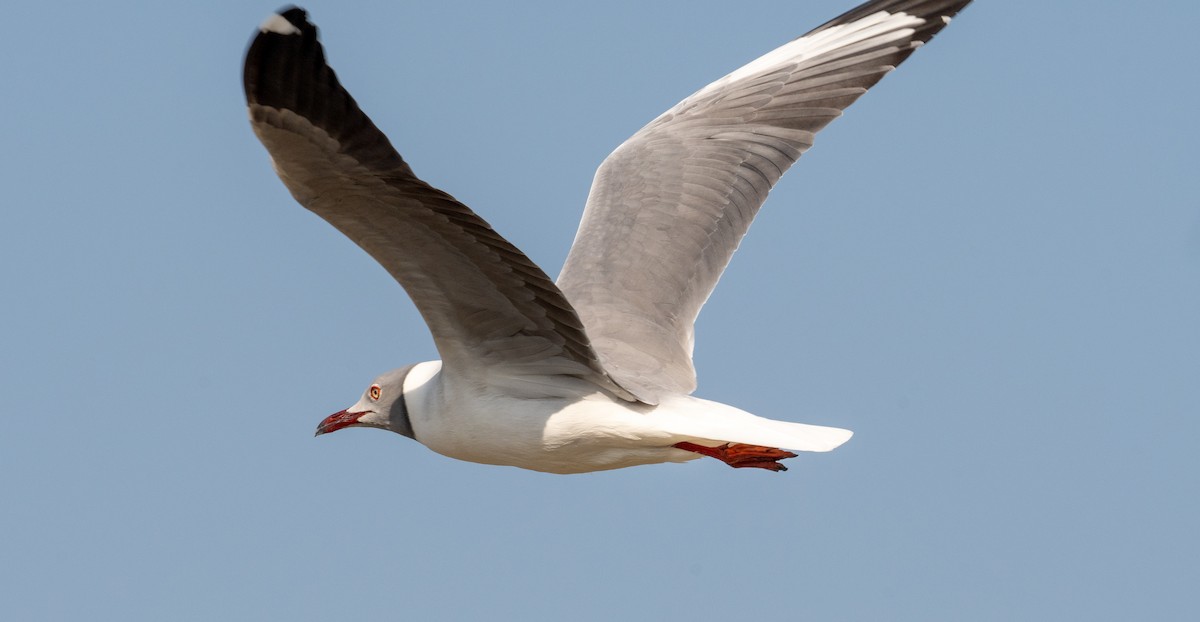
x=374 y=392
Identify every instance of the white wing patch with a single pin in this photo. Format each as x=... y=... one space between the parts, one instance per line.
x=886 y=26
x=277 y=24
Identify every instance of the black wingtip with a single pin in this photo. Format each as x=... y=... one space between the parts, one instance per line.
x=285 y=49
x=936 y=14
x=285 y=69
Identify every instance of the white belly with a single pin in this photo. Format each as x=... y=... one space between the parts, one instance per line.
x=585 y=432
x=553 y=435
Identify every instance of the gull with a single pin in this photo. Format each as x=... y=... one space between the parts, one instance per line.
x=592 y=371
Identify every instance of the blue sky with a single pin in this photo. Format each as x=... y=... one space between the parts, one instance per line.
x=989 y=269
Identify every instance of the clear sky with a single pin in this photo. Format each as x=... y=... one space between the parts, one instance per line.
x=989 y=269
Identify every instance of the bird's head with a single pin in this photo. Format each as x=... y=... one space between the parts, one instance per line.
x=382 y=406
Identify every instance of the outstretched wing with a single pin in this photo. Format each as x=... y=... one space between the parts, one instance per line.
x=668 y=208
x=492 y=312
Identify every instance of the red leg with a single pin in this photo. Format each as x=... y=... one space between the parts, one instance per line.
x=738 y=455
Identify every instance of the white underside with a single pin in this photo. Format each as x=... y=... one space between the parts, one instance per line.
x=593 y=432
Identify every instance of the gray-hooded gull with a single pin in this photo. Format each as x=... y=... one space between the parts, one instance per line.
x=595 y=371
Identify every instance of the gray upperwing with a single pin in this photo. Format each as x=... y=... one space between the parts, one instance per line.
x=492 y=312
x=668 y=208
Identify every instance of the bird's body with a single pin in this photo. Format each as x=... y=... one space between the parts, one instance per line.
x=589 y=432
x=576 y=432
x=594 y=371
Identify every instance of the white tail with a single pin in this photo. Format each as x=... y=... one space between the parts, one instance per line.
x=712 y=421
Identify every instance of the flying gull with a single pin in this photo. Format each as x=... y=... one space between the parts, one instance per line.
x=594 y=371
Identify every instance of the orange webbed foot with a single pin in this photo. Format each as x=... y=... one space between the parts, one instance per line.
x=740 y=456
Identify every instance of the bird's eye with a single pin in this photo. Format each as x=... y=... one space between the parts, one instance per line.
x=374 y=391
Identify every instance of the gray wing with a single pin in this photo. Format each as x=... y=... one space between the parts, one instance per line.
x=492 y=312
x=668 y=208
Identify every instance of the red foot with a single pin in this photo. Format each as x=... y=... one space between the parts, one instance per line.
x=741 y=456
